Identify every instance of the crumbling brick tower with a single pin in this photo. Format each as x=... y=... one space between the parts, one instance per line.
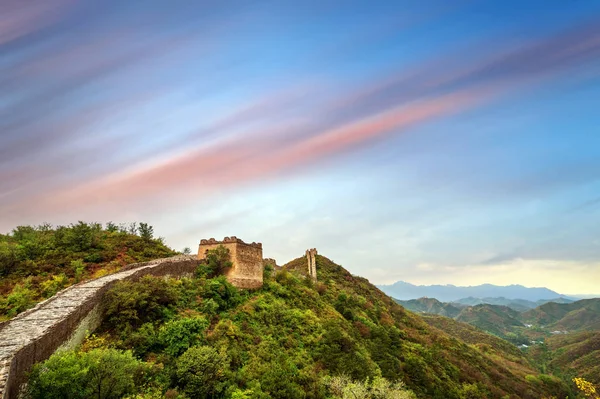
x=247 y=268
x=312 y=262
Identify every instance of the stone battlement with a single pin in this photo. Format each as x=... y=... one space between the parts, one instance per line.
x=229 y=240
x=247 y=260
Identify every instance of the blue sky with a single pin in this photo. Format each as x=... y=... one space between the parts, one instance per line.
x=430 y=142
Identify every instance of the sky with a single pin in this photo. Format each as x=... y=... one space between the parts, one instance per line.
x=433 y=142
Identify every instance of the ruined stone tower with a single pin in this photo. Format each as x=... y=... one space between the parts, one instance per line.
x=247 y=268
x=312 y=263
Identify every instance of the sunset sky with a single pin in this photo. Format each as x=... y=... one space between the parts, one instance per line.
x=430 y=142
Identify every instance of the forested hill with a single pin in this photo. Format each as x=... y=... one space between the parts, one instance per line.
x=292 y=338
x=203 y=338
x=37 y=262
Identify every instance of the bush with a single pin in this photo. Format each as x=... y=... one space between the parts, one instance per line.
x=223 y=293
x=53 y=285
x=20 y=299
x=179 y=335
x=202 y=372
x=130 y=304
x=218 y=261
x=100 y=373
x=342 y=387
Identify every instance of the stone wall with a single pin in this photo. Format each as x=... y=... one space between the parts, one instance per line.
x=64 y=319
x=247 y=268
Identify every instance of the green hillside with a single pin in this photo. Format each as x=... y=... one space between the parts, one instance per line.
x=474 y=336
x=431 y=306
x=37 y=262
x=583 y=315
x=495 y=319
x=571 y=355
x=293 y=338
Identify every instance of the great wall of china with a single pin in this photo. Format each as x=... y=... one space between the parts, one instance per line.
x=63 y=320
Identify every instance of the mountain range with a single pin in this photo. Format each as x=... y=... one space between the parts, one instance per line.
x=520 y=327
x=448 y=293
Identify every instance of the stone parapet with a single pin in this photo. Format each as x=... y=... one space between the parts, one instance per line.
x=229 y=240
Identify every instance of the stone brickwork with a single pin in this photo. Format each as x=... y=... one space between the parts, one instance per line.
x=247 y=268
x=312 y=262
x=64 y=319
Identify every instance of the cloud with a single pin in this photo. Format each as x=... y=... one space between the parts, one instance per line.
x=21 y=18
x=353 y=118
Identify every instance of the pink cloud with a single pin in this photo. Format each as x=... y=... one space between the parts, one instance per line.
x=20 y=18
x=435 y=93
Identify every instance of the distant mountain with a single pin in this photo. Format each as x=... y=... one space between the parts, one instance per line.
x=520 y=305
x=431 y=306
x=495 y=319
x=580 y=315
x=473 y=336
x=448 y=293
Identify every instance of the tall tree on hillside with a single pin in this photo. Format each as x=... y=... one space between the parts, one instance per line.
x=146 y=231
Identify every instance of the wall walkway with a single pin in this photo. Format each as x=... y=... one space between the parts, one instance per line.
x=64 y=319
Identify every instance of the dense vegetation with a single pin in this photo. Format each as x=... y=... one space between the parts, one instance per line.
x=526 y=328
x=583 y=315
x=339 y=337
x=570 y=355
x=37 y=262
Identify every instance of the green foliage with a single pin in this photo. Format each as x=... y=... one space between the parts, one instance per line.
x=146 y=231
x=9 y=258
x=129 y=304
x=55 y=284
x=217 y=261
x=222 y=293
x=293 y=338
x=342 y=387
x=202 y=372
x=19 y=299
x=78 y=269
x=54 y=258
x=100 y=373
x=177 y=336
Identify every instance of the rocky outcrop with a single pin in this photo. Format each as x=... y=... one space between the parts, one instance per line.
x=64 y=319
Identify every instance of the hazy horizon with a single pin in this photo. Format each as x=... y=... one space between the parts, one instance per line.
x=431 y=142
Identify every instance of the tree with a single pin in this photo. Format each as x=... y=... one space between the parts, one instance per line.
x=178 y=335
x=186 y=251
x=202 y=372
x=9 y=258
x=586 y=387
x=342 y=387
x=218 y=261
x=146 y=231
x=99 y=373
x=111 y=227
x=130 y=304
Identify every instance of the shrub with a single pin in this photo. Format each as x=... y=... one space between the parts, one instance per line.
x=202 y=372
x=130 y=304
x=20 y=299
x=342 y=387
x=100 y=373
x=53 y=285
x=179 y=335
x=217 y=261
x=222 y=292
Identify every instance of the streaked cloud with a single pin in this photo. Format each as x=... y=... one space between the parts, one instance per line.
x=103 y=116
